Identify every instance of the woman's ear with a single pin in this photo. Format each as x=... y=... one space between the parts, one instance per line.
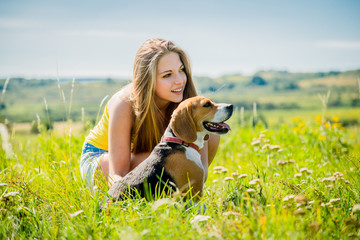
x=183 y=125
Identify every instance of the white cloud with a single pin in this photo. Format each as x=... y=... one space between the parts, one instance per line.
x=17 y=23
x=347 y=45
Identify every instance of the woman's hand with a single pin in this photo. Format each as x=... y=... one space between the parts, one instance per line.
x=113 y=179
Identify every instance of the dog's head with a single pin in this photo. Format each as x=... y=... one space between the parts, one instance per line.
x=199 y=114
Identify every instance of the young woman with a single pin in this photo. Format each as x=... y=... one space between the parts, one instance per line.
x=135 y=118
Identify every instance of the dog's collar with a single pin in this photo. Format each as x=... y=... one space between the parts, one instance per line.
x=177 y=140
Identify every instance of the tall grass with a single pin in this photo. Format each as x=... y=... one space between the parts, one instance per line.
x=4 y=89
x=295 y=181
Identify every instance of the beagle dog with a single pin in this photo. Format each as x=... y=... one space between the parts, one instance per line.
x=175 y=163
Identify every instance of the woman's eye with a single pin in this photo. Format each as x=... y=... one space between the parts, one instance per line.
x=167 y=75
x=182 y=69
x=208 y=104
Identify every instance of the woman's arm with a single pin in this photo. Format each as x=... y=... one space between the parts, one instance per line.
x=120 y=160
x=208 y=152
x=120 y=124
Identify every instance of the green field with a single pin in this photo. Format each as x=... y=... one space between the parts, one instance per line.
x=302 y=181
x=288 y=169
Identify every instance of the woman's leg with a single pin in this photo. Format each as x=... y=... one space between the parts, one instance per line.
x=104 y=165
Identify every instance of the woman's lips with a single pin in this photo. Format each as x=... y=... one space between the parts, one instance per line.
x=177 y=91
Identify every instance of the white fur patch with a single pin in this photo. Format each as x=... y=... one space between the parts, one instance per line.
x=200 y=139
x=194 y=156
x=221 y=113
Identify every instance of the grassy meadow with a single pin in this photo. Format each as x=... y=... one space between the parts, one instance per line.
x=295 y=181
x=278 y=174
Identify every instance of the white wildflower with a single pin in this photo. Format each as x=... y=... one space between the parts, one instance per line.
x=256 y=142
x=301 y=198
x=305 y=170
x=334 y=200
x=329 y=179
x=356 y=208
x=218 y=168
x=254 y=182
x=242 y=176
x=76 y=213
x=228 y=179
x=199 y=218
x=291 y=161
x=288 y=197
x=266 y=146
x=297 y=175
x=250 y=190
x=274 y=147
x=281 y=162
x=299 y=211
x=11 y=194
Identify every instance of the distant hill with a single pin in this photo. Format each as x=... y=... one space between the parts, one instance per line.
x=24 y=98
x=284 y=90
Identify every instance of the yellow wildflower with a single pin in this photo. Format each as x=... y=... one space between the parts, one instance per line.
x=318 y=118
x=322 y=138
x=335 y=119
x=301 y=124
x=337 y=125
x=296 y=119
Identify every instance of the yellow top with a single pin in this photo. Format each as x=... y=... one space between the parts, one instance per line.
x=99 y=135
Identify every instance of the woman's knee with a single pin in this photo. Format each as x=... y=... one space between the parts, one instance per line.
x=104 y=164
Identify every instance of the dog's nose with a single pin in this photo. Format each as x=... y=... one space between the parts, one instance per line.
x=230 y=107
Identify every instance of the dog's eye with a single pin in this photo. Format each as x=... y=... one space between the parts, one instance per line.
x=208 y=104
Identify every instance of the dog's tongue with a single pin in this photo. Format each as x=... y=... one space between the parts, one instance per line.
x=224 y=125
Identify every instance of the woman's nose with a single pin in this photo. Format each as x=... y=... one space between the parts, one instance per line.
x=178 y=79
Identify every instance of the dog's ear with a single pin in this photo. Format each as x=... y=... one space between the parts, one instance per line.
x=183 y=125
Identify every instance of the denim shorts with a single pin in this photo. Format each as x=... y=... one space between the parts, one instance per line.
x=89 y=161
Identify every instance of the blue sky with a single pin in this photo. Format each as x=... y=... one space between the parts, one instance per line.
x=100 y=38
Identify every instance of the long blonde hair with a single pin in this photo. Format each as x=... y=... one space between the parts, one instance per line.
x=149 y=125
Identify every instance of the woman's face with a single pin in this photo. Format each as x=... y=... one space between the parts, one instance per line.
x=170 y=80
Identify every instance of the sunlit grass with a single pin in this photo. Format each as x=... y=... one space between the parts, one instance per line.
x=293 y=181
